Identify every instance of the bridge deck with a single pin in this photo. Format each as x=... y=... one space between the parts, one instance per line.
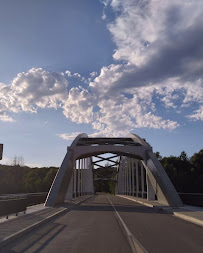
x=92 y=227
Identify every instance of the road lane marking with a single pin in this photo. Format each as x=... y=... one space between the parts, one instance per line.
x=136 y=247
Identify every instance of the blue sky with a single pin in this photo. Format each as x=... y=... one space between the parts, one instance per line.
x=106 y=68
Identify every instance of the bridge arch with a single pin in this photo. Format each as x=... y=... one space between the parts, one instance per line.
x=76 y=169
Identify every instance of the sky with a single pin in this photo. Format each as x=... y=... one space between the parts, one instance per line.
x=101 y=67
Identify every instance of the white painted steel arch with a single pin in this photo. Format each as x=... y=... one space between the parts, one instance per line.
x=157 y=179
x=62 y=179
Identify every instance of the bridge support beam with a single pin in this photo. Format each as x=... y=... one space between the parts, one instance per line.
x=150 y=190
x=139 y=169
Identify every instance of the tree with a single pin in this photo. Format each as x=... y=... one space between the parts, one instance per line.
x=179 y=171
x=48 y=180
x=18 y=161
x=183 y=156
x=159 y=157
x=197 y=162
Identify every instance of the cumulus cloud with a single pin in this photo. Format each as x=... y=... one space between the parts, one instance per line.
x=103 y=16
x=157 y=61
x=79 y=105
x=68 y=73
x=160 y=46
x=126 y=114
x=77 y=75
x=34 y=89
x=159 y=39
x=5 y=117
x=198 y=114
x=68 y=136
x=93 y=74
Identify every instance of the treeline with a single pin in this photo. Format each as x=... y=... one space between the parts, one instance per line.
x=18 y=179
x=185 y=173
x=104 y=185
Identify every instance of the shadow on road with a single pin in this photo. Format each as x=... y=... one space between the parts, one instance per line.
x=125 y=208
x=35 y=243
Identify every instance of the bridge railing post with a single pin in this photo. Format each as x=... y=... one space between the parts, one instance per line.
x=142 y=179
x=85 y=176
x=78 y=177
x=126 y=178
x=122 y=177
x=74 y=183
x=133 y=176
x=137 y=178
x=82 y=179
x=127 y=175
x=130 y=176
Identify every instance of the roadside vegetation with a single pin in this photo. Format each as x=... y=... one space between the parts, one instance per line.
x=185 y=173
x=22 y=179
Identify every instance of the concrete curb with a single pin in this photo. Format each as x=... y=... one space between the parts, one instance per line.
x=168 y=210
x=183 y=216
x=137 y=201
x=24 y=231
x=189 y=218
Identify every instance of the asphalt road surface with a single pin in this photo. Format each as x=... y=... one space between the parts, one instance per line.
x=92 y=227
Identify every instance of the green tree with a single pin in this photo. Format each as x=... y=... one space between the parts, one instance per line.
x=48 y=180
x=197 y=167
x=157 y=154
x=179 y=171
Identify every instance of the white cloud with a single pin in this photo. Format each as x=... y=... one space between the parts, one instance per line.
x=5 y=117
x=93 y=74
x=34 y=89
x=69 y=136
x=122 y=115
x=159 y=49
x=79 y=105
x=103 y=16
x=68 y=73
x=105 y=2
x=144 y=26
x=160 y=44
x=198 y=114
x=77 y=75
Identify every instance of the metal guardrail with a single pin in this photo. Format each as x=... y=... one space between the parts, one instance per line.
x=12 y=206
x=36 y=198
x=15 y=203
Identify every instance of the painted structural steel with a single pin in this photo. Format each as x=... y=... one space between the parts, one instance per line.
x=139 y=173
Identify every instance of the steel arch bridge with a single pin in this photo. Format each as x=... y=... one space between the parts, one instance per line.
x=139 y=173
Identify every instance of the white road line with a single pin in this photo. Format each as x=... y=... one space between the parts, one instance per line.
x=136 y=247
